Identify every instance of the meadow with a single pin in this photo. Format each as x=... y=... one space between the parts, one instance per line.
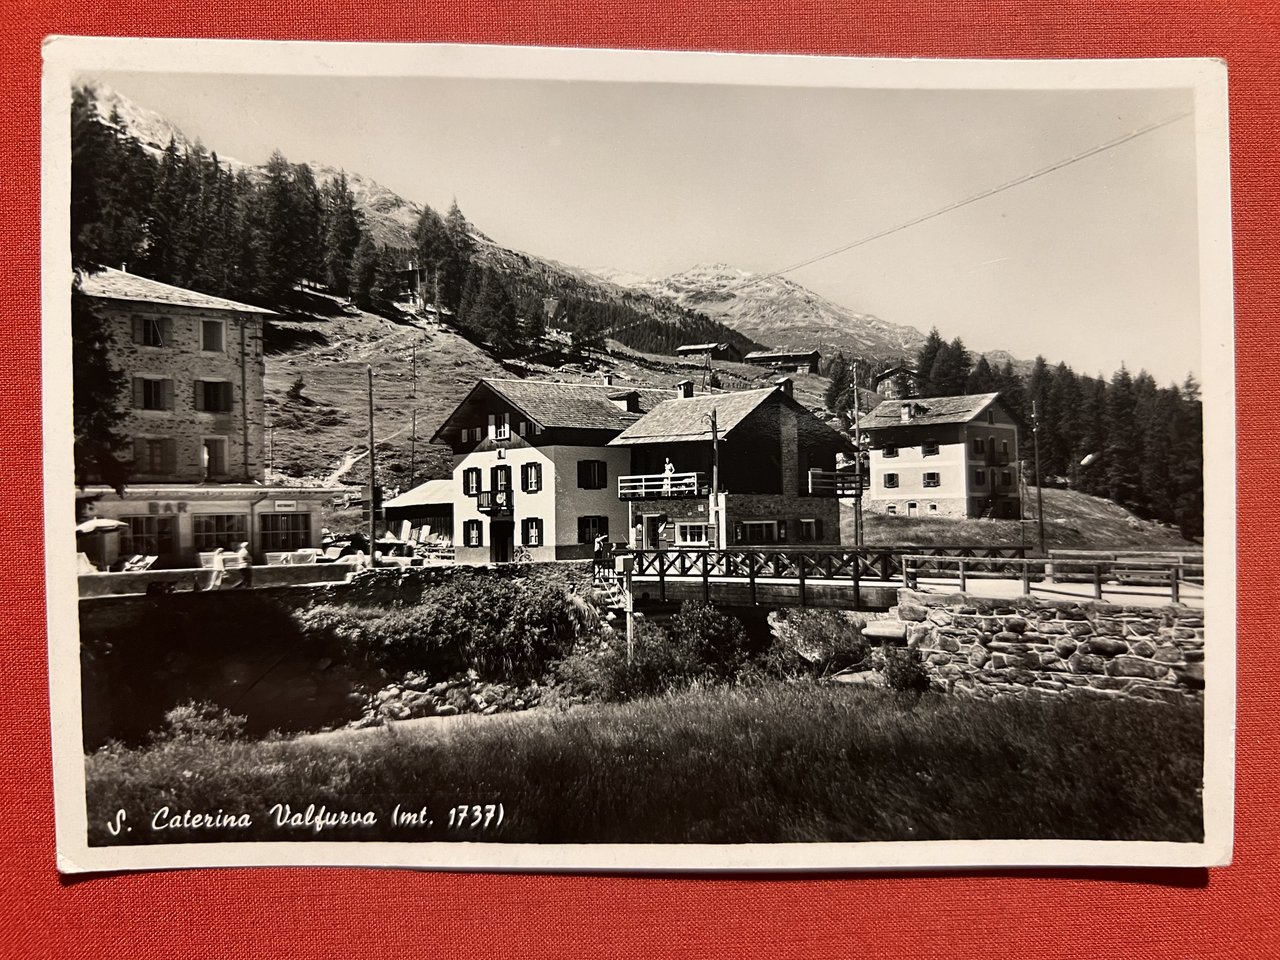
x=765 y=762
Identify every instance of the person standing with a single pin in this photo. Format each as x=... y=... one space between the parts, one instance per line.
x=217 y=570
x=246 y=565
x=668 y=471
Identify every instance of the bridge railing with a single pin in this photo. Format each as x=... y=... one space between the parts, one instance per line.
x=1117 y=572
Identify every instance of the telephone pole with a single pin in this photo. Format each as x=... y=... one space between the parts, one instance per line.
x=373 y=476
x=857 y=460
x=1035 y=442
x=715 y=478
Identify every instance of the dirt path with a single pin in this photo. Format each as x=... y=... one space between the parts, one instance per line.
x=351 y=458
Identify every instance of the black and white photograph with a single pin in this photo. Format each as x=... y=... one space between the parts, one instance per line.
x=500 y=458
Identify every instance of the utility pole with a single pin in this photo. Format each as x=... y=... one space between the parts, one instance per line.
x=373 y=476
x=1035 y=442
x=413 y=452
x=413 y=368
x=715 y=478
x=857 y=460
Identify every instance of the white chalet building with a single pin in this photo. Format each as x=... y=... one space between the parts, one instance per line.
x=943 y=456
x=533 y=468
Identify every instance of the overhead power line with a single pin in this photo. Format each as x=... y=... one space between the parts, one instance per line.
x=1017 y=181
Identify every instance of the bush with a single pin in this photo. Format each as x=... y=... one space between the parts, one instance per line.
x=509 y=630
x=902 y=669
x=658 y=664
x=713 y=643
x=199 y=720
x=815 y=643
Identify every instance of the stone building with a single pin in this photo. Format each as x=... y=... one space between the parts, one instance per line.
x=193 y=365
x=774 y=464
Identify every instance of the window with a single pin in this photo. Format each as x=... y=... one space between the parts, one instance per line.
x=211 y=338
x=531 y=477
x=933 y=508
x=214 y=456
x=811 y=530
x=593 y=474
x=760 y=531
x=890 y=481
x=213 y=396
x=212 y=530
x=933 y=479
x=152 y=455
x=473 y=533
x=521 y=427
x=591 y=527
x=1006 y=478
x=153 y=331
x=889 y=450
x=691 y=534
x=285 y=531
x=979 y=445
x=500 y=478
x=980 y=478
x=1004 y=447
x=891 y=509
x=471 y=481
x=149 y=535
x=929 y=448
x=991 y=416
x=531 y=530
x=501 y=426
x=152 y=394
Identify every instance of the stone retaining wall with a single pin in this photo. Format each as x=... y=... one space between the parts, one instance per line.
x=1030 y=646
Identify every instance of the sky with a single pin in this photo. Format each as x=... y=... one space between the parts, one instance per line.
x=1095 y=264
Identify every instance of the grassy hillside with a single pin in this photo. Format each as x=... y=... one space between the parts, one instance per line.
x=322 y=435
x=1073 y=520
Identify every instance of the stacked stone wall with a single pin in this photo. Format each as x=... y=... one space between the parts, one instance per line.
x=1033 y=647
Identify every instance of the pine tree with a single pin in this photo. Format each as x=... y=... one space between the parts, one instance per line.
x=457 y=261
x=983 y=379
x=925 y=360
x=363 y=277
x=342 y=233
x=1123 y=452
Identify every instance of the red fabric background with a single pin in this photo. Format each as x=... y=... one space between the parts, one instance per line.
x=294 y=912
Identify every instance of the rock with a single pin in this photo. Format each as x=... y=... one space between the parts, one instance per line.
x=1183 y=633
x=979 y=657
x=939 y=659
x=365 y=722
x=1193 y=656
x=1192 y=675
x=439 y=689
x=394 y=710
x=1166 y=653
x=1086 y=663
x=1139 y=628
x=1050 y=685
x=446 y=710
x=917 y=634
x=940 y=617
x=1104 y=646
x=1015 y=624
x=912 y=611
x=1107 y=627
x=1008 y=636
x=1143 y=648
x=419 y=684
x=1136 y=667
x=490 y=710
x=885 y=630
x=1051 y=626
x=1064 y=648
x=387 y=693
x=950 y=671
x=949 y=643
x=1071 y=613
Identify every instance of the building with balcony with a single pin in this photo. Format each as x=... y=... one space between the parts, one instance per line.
x=785 y=361
x=193 y=398
x=943 y=456
x=764 y=474
x=533 y=469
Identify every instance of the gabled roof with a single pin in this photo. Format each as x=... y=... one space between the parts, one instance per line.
x=929 y=410
x=431 y=493
x=573 y=406
x=779 y=354
x=701 y=347
x=682 y=419
x=894 y=371
x=112 y=284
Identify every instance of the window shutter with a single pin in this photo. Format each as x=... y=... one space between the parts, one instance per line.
x=817 y=529
x=493 y=424
x=166 y=394
x=170 y=455
x=737 y=533
x=582 y=480
x=138 y=332
x=782 y=531
x=537 y=528
x=138 y=392
x=166 y=331
x=199 y=399
x=139 y=454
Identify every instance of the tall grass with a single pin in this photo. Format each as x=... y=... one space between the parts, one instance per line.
x=777 y=762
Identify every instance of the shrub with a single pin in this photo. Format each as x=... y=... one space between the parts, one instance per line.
x=198 y=720
x=296 y=388
x=815 y=643
x=658 y=664
x=902 y=669
x=712 y=642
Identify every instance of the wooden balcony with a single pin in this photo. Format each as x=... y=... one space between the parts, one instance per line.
x=662 y=486
x=494 y=503
x=835 y=483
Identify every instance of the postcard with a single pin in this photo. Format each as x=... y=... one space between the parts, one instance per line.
x=468 y=457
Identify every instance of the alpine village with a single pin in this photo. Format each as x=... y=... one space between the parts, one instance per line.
x=363 y=496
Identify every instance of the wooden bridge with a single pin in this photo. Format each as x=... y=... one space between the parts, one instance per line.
x=869 y=578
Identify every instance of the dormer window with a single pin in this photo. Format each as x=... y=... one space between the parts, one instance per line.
x=907 y=413
x=501 y=426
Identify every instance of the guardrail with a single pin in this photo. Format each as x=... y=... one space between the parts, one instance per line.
x=656 y=486
x=834 y=483
x=1172 y=575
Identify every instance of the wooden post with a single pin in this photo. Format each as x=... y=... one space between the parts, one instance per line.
x=1175 y=593
x=631 y=615
x=1097 y=581
x=857 y=581
x=1026 y=579
x=800 y=569
x=706 y=577
x=751 y=576
x=662 y=577
x=964 y=583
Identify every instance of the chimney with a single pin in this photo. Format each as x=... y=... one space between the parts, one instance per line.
x=607 y=379
x=907 y=412
x=784 y=384
x=684 y=389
